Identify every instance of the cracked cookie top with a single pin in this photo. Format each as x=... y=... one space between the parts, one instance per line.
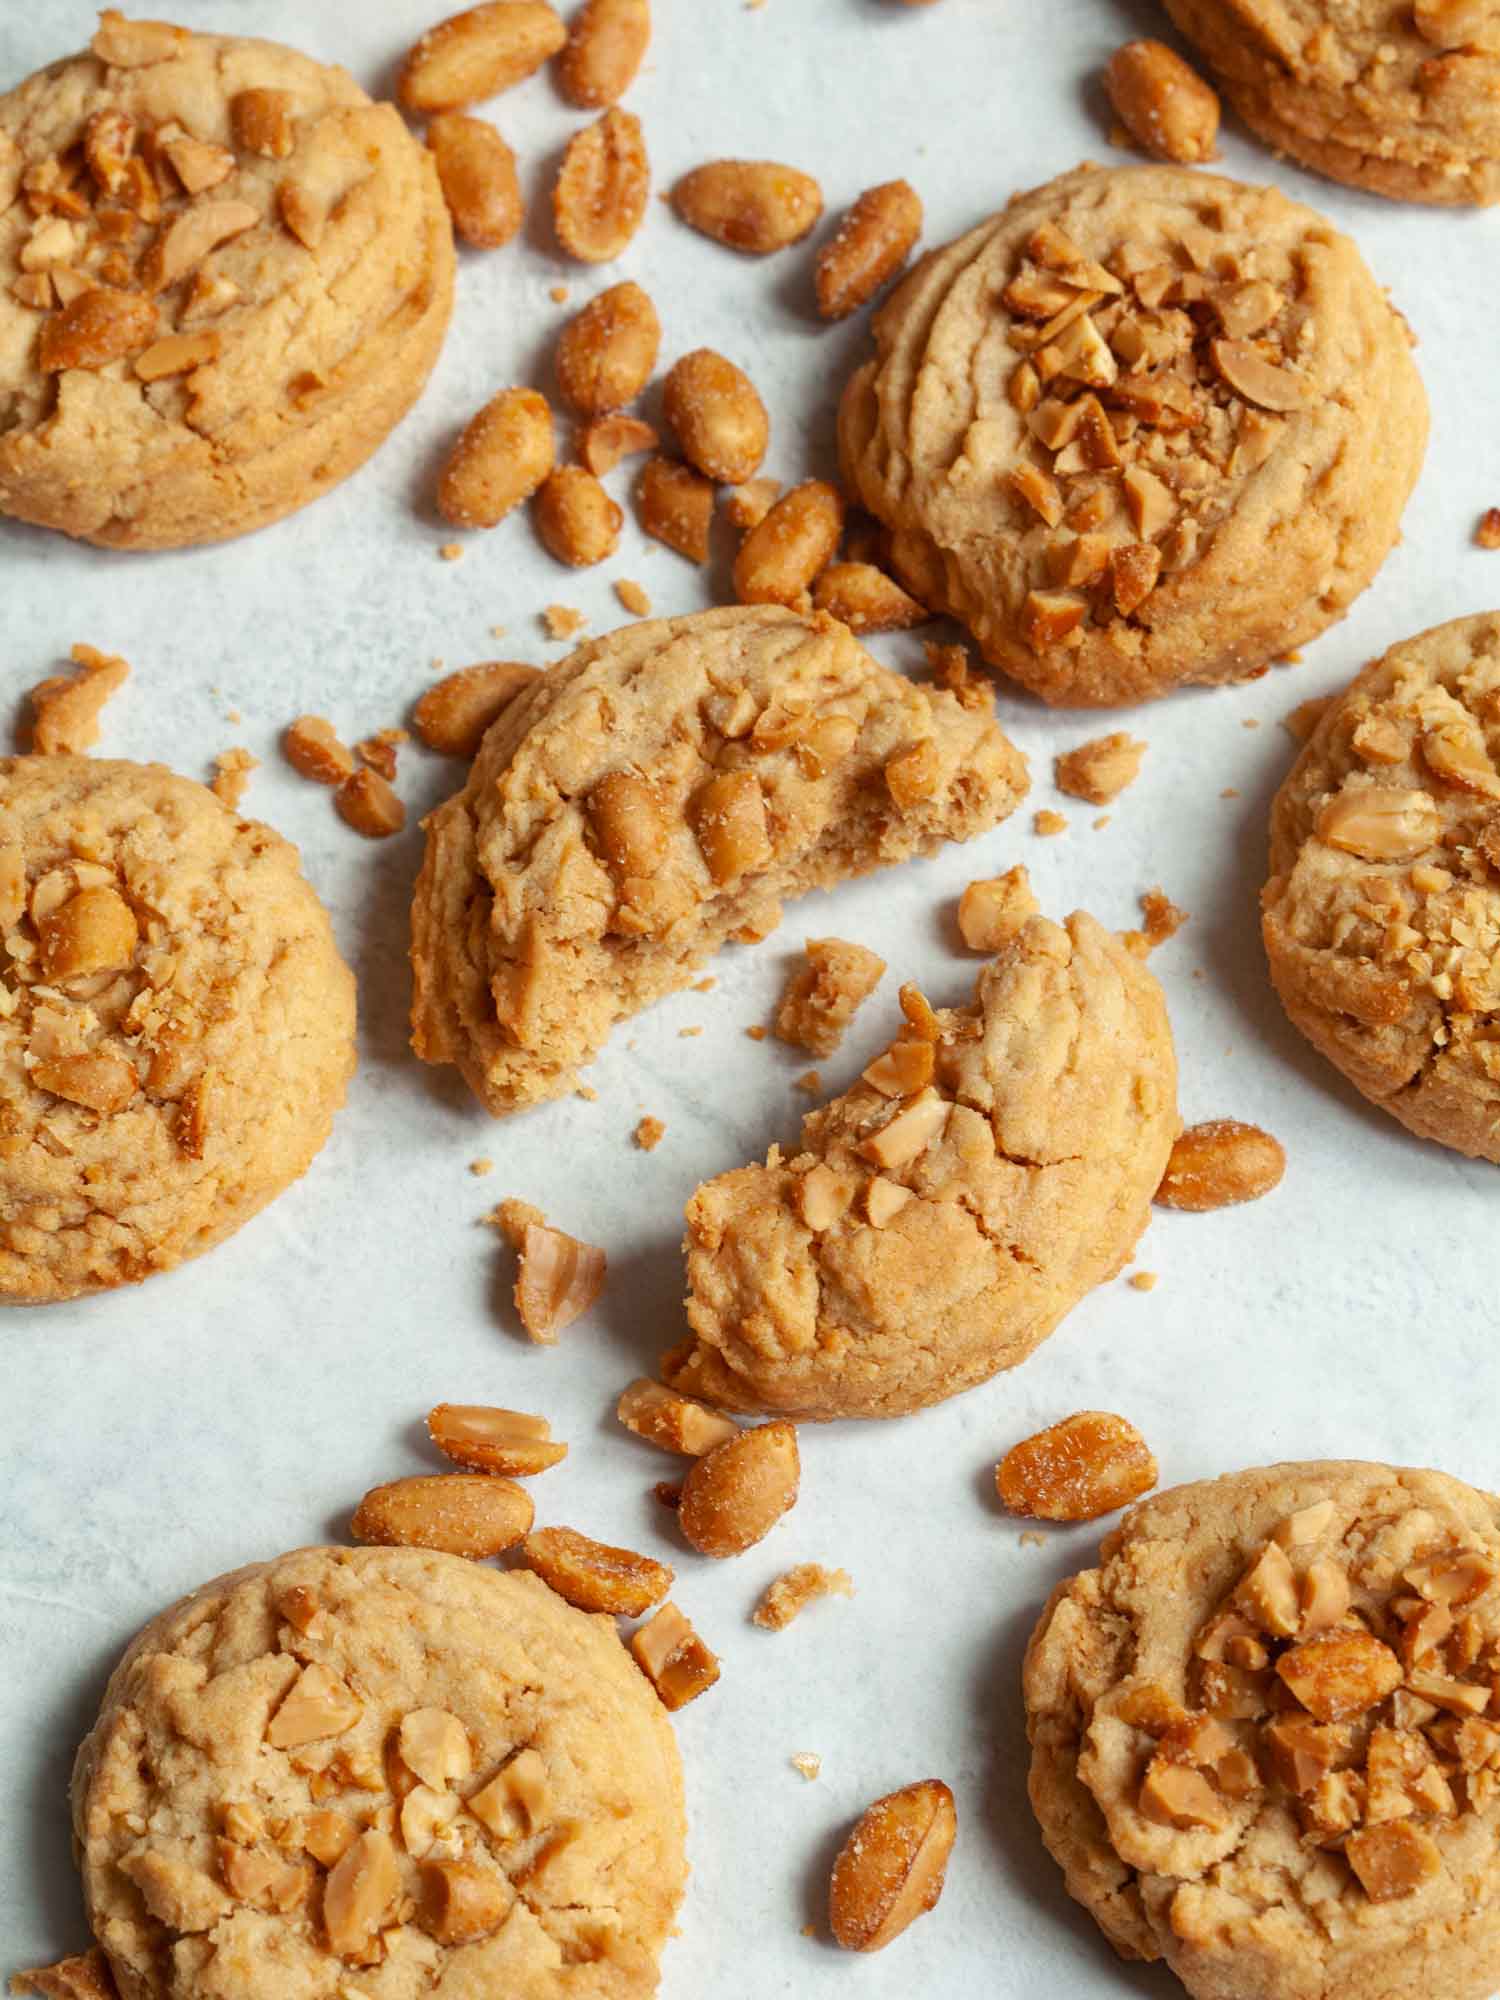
x=1382 y=913
x=1264 y=1737
x=224 y=274
x=938 y=1220
x=382 y=1773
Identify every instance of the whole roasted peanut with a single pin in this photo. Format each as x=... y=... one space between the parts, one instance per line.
x=1221 y=1162
x=1165 y=106
x=735 y=1494
x=676 y=506
x=95 y=329
x=600 y=198
x=891 y=1869
x=729 y=822
x=780 y=558
x=719 y=419
x=477 y=172
x=461 y=1513
x=872 y=243
x=455 y=712
x=629 y=824
x=756 y=206
x=606 y=352
x=595 y=1576
x=505 y=453
x=366 y=802
x=606 y=45
x=866 y=600
x=488 y=1440
x=577 y=520
x=1086 y=1466
x=477 y=53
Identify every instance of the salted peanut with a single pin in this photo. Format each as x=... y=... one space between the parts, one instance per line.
x=1219 y=1163
x=199 y=165
x=1340 y=1674
x=595 y=1576
x=1249 y=374
x=260 y=1880
x=108 y=143
x=209 y=295
x=1456 y=753
x=1133 y=569
x=599 y=201
x=676 y=506
x=1267 y=1594
x=720 y=421
x=460 y=1513
x=85 y=1978
x=1176 y=1795
x=177 y=354
x=261 y=121
x=490 y=1440
x=192 y=236
x=557 y=1279
x=460 y=1901
x=1308 y=1524
x=478 y=53
x=780 y=558
x=1049 y=616
x=866 y=600
x=1325 y=1597
x=755 y=206
x=577 y=521
x=907 y=1136
x=366 y=802
x=824 y=994
x=1392 y=1861
x=312 y=747
x=673 y=1658
x=505 y=453
x=360 y=1892
x=1165 y=106
x=606 y=45
x=93 y=931
x=327 y=1835
x=135 y=44
x=729 y=821
x=99 y=1081
x=1457 y=1579
x=891 y=1868
x=789 y=1596
x=1455 y=1697
x=317 y=1705
x=1076 y=1470
x=629 y=824
x=905 y=1068
x=434 y=1746
x=735 y=1494
x=1303 y=1752
x=748 y=504
x=515 y=1799
x=603 y=443
x=477 y=172
x=1100 y=769
x=96 y=328
x=606 y=352
x=674 y=1422
x=35 y=289
x=871 y=244
x=991 y=912
x=454 y=713
x=823 y=1196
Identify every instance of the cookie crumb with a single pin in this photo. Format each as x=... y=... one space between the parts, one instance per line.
x=824 y=993
x=451 y=552
x=234 y=718
x=705 y=985
x=1102 y=822
x=1230 y=792
x=808 y=1762
x=649 y=1134
x=1048 y=823
x=1250 y=722
x=479 y=1168
x=66 y=707
x=686 y=1034
x=232 y=770
x=563 y=621
x=1100 y=769
x=1487 y=533
x=84 y=1978
x=1030 y=1539
x=559 y=295
x=789 y=1596
x=587 y=1092
x=1143 y=1281
x=811 y=1082
x=496 y=632
x=951 y=669
x=1163 y=920
x=1306 y=716
x=991 y=912
x=633 y=597
x=757 y=1034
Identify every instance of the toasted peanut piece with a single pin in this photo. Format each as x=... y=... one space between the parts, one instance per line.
x=312 y=747
x=518 y=1794
x=603 y=443
x=99 y=1081
x=366 y=802
x=1392 y=1861
x=756 y=206
x=1165 y=106
x=1457 y=753
x=872 y=243
x=1249 y=374
x=67 y=707
x=606 y=45
x=177 y=354
x=606 y=352
x=557 y=1278
x=460 y=1513
x=317 y=1705
x=490 y=1440
x=505 y=453
x=595 y=1576
x=1100 y=769
x=434 y=1746
x=1178 y=1796
x=1342 y=1673
x=135 y=44
x=360 y=1892
x=676 y=506
x=630 y=824
x=1221 y=1162
x=578 y=522
x=748 y=505
x=96 y=328
x=478 y=53
x=673 y=1658
x=1380 y=824
x=197 y=165
x=735 y=1494
x=890 y=1870
x=455 y=712
x=85 y=1978
x=991 y=912
x=905 y=1068
x=779 y=559
x=477 y=172
x=729 y=820
x=719 y=419
x=1487 y=531
x=1085 y=1466
x=108 y=143
x=93 y=931
x=674 y=1422
x=789 y=1596
x=907 y=1136
x=461 y=1901
x=866 y=600
x=912 y=775
x=192 y=236
x=600 y=198
x=261 y=121
x=823 y=994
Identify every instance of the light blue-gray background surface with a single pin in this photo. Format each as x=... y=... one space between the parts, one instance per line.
x=240 y=1406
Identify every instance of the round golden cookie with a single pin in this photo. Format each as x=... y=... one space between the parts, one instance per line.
x=1145 y=426
x=383 y=1772
x=176 y=1024
x=1381 y=917
x=224 y=277
x=1402 y=100
x=940 y=1218
x=1262 y=1737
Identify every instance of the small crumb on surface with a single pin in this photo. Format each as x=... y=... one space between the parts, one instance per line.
x=1100 y=769
x=497 y=631
x=633 y=597
x=559 y=295
x=562 y=621
x=65 y=707
x=757 y=1033
x=1102 y=822
x=790 y=1595
x=1047 y=823
x=685 y=1034
x=451 y=551
x=824 y=992
x=668 y=1492
x=1250 y=722
x=1143 y=1281
x=479 y=1168
x=587 y=1092
x=1230 y=792
x=1487 y=534
x=1030 y=1539
x=811 y=1082
x=705 y=985
x=234 y=717
x=649 y=1134
x=1163 y=920
x=232 y=770
x=808 y=1762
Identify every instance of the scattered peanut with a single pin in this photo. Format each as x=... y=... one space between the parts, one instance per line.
x=735 y=1494
x=490 y=1440
x=461 y=1513
x=595 y=1576
x=606 y=353
x=755 y=206
x=1165 y=106
x=674 y=1422
x=1085 y=1466
x=780 y=558
x=578 y=522
x=366 y=802
x=502 y=458
x=606 y=45
x=455 y=712
x=719 y=419
x=600 y=198
x=872 y=243
x=477 y=171
x=1221 y=1162
x=866 y=599
x=676 y=506
x=557 y=1279
x=603 y=443
x=891 y=1869
x=312 y=747
x=477 y=53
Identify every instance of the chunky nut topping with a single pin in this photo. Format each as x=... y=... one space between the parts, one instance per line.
x=736 y=1493
x=1378 y=824
x=434 y=1747
x=720 y=421
x=505 y=453
x=96 y=328
x=673 y=1658
x=318 y=1704
x=789 y=1596
x=607 y=42
x=674 y=1422
x=1221 y=1162
x=455 y=712
x=461 y=1513
x=990 y=913
x=1076 y=1470
x=478 y=53
x=489 y=1440
x=600 y=198
x=595 y=1576
x=360 y=1893
x=477 y=172
x=192 y=236
x=822 y=996
x=557 y=1279
x=891 y=1868
x=754 y=206
x=461 y=1901
x=134 y=44
x=95 y=930
x=1165 y=106
x=865 y=599
x=871 y=244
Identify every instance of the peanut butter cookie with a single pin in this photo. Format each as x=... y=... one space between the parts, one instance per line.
x=1263 y=1745
x=1146 y=426
x=1382 y=915
x=176 y=1025
x=224 y=277
x=379 y=1771
x=656 y=794
x=1404 y=101
x=996 y=1163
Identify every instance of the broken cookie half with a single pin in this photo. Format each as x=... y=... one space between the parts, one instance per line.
x=658 y=793
x=986 y=1171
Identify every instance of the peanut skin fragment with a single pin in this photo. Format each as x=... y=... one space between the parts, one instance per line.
x=1085 y=1466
